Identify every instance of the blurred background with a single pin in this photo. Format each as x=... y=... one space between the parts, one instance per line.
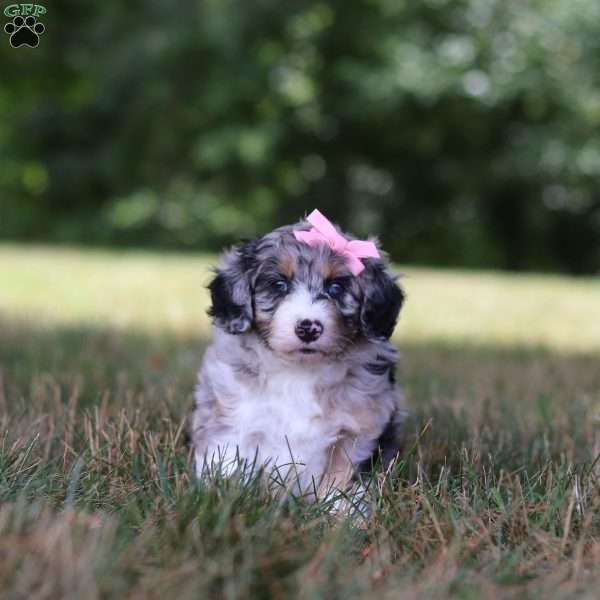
x=464 y=132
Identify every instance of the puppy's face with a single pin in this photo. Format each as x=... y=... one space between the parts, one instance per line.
x=302 y=300
x=305 y=303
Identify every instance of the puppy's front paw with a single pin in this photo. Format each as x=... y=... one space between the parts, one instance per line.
x=221 y=461
x=352 y=504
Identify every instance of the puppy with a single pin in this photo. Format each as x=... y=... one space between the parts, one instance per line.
x=300 y=374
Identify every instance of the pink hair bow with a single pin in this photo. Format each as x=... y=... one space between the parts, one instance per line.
x=323 y=232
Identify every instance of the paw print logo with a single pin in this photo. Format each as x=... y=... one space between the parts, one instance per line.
x=24 y=32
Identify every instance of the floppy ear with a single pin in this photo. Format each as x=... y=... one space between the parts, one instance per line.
x=230 y=293
x=382 y=300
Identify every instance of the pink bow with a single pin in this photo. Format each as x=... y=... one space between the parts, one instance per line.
x=323 y=232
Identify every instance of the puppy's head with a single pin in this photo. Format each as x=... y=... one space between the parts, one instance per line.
x=302 y=300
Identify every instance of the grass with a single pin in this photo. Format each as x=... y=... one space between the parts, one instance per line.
x=496 y=494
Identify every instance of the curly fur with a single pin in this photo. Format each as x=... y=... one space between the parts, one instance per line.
x=319 y=410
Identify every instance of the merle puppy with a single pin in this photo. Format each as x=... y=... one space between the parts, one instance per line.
x=300 y=374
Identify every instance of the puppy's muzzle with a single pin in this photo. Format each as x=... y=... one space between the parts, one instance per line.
x=308 y=331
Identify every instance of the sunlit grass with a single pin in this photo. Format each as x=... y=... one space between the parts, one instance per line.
x=154 y=292
x=149 y=291
x=559 y=313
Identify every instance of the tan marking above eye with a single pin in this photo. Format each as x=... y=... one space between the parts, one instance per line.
x=287 y=266
x=326 y=269
x=330 y=269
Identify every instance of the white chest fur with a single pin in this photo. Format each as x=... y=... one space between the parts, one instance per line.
x=280 y=420
x=283 y=414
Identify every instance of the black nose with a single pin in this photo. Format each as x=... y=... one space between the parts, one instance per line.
x=309 y=331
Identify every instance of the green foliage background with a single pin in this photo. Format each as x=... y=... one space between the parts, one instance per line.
x=464 y=132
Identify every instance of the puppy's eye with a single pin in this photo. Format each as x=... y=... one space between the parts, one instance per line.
x=335 y=289
x=280 y=286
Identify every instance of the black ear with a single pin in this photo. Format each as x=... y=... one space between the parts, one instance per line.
x=382 y=300
x=230 y=291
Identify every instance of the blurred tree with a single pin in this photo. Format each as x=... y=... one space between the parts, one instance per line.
x=462 y=131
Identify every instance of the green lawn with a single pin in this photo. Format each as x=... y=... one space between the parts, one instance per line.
x=496 y=494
